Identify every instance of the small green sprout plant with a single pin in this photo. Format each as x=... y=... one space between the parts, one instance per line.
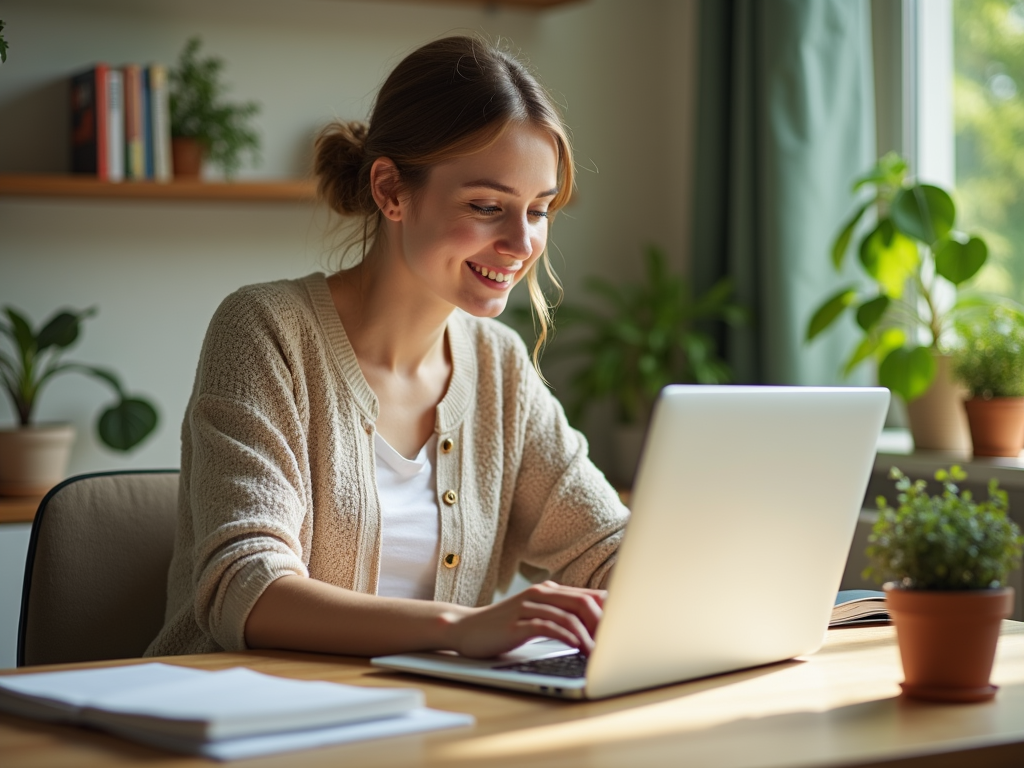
x=989 y=360
x=199 y=110
x=37 y=356
x=947 y=541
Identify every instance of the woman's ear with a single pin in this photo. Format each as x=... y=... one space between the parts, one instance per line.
x=385 y=185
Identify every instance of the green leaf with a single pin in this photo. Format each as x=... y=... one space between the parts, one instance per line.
x=842 y=242
x=870 y=312
x=126 y=424
x=863 y=351
x=908 y=372
x=889 y=170
x=3 y=46
x=62 y=330
x=923 y=212
x=958 y=262
x=829 y=311
x=889 y=257
x=22 y=332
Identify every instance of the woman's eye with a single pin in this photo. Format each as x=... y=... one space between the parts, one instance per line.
x=539 y=214
x=486 y=210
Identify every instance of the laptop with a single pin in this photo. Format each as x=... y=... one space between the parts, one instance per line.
x=743 y=513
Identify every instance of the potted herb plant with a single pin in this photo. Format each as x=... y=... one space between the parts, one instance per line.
x=33 y=457
x=645 y=336
x=945 y=560
x=915 y=260
x=989 y=361
x=203 y=124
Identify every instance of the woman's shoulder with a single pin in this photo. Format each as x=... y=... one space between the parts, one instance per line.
x=491 y=338
x=271 y=305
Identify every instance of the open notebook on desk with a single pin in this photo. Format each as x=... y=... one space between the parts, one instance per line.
x=228 y=714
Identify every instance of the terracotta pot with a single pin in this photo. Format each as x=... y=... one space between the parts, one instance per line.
x=34 y=459
x=937 y=418
x=186 y=157
x=947 y=640
x=997 y=425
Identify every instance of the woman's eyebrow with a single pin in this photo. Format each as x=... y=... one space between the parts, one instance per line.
x=504 y=188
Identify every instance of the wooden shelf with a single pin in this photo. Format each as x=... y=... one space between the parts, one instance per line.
x=58 y=186
x=18 y=509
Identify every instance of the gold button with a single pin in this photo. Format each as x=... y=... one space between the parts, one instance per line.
x=450 y=497
x=447 y=445
x=451 y=560
x=369 y=428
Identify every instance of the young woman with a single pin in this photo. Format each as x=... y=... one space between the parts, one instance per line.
x=367 y=456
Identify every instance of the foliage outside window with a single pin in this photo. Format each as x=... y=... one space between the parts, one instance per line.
x=988 y=51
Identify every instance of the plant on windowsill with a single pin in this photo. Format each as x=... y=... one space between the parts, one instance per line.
x=203 y=125
x=647 y=335
x=945 y=560
x=33 y=457
x=989 y=361
x=916 y=261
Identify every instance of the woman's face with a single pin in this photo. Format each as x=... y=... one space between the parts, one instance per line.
x=480 y=221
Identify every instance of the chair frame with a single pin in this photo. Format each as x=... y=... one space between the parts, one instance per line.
x=37 y=523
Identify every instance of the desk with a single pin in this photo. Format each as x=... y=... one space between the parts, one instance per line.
x=838 y=706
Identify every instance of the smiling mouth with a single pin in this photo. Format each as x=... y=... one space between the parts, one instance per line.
x=492 y=275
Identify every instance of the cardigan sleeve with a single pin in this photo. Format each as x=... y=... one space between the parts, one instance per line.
x=248 y=469
x=567 y=517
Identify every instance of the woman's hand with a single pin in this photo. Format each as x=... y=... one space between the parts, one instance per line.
x=569 y=614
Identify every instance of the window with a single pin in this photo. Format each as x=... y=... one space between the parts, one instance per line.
x=988 y=109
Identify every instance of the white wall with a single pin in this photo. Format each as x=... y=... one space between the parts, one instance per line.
x=156 y=270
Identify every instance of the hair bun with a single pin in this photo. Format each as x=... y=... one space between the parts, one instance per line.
x=339 y=160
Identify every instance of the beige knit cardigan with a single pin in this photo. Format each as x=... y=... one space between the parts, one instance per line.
x=277 y=469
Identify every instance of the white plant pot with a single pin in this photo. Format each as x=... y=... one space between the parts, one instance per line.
x=34 y=459
x=938 y=421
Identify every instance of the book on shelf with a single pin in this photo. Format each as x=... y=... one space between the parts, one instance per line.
x=96 y=123
x=859 y=606
x=159 y=121
x=228 y=714
x=134 y=136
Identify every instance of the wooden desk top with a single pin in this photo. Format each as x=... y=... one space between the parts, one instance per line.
x=839 y=706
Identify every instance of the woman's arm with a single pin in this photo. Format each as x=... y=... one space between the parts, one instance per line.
x=304 y=614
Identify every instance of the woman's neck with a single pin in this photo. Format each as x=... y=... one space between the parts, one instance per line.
x=390 y=323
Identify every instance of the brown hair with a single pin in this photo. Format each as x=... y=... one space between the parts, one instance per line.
x=447 y=99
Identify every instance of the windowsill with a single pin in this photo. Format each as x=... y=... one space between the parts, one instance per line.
x=895 y=443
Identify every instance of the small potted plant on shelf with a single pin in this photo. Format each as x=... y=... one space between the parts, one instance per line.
x=647 y=335
x=914 y=260
x=33 y=457
x=203 y=125
x=989 y=362
x=945 y=560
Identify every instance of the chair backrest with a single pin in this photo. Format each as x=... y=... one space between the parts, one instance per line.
x=96 y=574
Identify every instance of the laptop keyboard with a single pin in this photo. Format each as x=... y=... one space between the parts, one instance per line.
x=572 y=665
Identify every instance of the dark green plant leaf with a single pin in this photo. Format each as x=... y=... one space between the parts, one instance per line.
x=870 y=312
x=842 y=242
x=958 y=262
x=126 y=424
x=827 y=313
x=924 y=212
x=890 y=170
x=889 y=257
x=62 y=329
x=908 y=372
x=862 y=352
x=22 y=332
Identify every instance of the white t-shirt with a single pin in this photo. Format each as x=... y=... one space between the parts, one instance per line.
x=410 y=521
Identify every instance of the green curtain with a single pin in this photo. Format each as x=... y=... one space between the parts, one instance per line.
x=786 y=122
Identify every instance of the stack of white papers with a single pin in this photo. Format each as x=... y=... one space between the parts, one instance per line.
x=225 y=715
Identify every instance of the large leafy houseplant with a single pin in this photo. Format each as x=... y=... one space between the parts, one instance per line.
x=199 y=110
x=36 y=357
x=915 y=260
x=945 y=559
x=647 y=335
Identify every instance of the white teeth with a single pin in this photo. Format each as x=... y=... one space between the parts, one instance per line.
x=497 y=277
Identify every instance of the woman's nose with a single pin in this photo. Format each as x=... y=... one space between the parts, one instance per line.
x=515 y=238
